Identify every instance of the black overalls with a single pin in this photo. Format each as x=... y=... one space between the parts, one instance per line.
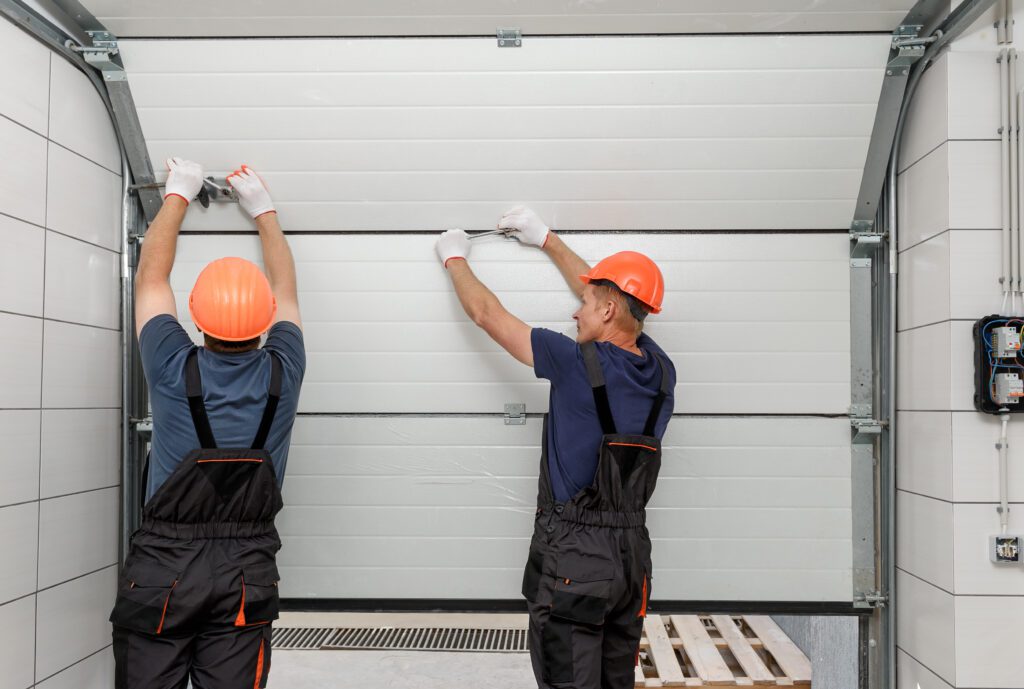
x=199 y=587
x=587 y=581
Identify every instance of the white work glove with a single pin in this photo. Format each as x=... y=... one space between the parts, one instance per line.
x=526 y=226
x=184 y=179
x=452 y=244
x=252 y=192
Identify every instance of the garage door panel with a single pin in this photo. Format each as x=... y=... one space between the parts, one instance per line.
x=430 y=358
x=758 y=497
x=717 y=54
x=598 y=133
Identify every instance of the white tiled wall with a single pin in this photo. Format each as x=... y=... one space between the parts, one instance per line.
x=961 y=618
x=60 y=371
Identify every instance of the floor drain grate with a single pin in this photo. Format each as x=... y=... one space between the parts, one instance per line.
x=402 y=639
x=300 y=639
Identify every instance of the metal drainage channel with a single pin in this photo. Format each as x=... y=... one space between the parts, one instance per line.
x=399 y=639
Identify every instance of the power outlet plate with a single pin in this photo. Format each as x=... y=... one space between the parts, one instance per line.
x=1005 y=550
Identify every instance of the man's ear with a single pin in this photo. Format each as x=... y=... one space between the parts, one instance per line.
x=610 y=309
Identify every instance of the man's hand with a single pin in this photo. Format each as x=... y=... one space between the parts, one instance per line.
x=252 y=192
x=526 y=226
x=452 y=244
x=184 y=179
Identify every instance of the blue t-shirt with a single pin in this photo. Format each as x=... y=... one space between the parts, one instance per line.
x=574 y=429
x=235 y=389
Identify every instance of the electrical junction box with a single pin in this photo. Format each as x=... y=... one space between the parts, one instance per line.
x=1005 y=550
x=998 y=365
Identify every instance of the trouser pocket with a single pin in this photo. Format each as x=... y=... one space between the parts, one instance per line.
x=260 y=598
x=144 y=595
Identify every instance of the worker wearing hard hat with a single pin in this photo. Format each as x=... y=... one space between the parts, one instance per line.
x=199 y=587
x=588 y=575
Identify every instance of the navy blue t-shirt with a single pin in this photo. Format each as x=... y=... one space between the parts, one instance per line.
x=234 y=389
x=574 y=429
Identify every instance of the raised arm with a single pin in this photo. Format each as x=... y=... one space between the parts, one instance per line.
x=479 y=302
x=153 y=295
x=529 y=229
x=277 y=255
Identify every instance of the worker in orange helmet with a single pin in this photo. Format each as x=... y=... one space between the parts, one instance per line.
x=198 y=590
x=588 y=574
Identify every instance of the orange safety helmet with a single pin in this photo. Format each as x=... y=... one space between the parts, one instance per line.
x=634 y=274
x=232 y=300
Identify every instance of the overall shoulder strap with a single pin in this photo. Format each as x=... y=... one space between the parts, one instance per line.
x=652 y=418
x=194 y=392
x=596 y=377
x=273 y=397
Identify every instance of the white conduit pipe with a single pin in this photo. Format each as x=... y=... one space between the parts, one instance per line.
x=1011 y=59
x=1004 y=138
x=1004 y=501
x=1001 y=22
x=1009 y=21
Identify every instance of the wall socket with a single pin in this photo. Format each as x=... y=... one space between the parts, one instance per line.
x=1005 y=550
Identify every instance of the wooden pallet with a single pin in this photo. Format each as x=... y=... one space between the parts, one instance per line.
x=697 y=650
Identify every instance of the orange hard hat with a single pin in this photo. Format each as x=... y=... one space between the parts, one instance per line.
x=232 y=300
x=634 y=274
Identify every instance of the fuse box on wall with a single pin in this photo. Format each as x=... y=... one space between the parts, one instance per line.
x=998 y=365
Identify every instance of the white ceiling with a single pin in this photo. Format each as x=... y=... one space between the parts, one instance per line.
x=254 y=18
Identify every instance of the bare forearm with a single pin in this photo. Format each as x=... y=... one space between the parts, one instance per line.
x=277 y=255
x=161 y=241
x=475 y=297
x=568 y=262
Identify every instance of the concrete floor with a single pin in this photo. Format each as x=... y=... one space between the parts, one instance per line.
x=400 y=669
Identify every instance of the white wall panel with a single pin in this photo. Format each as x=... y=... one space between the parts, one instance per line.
x=454 y=17
x=976 y=462
x=19 y=534
x=77 y=534
x=923 y=191
x=80 y=450
x=435 y=116
x=78 y=117
x=17 y=642
x=19 y=458
x=83 y=200
x=924 y=625
x=82 y=283
x=25 y=83
x=928 y=116
x=72 y=621
x=952 y=275
x=936 y=367
x=975 y=573
x=911 y=674
x=973 y=81
x=924 y=450
x=20 y=361
x=23 y=177
x=974 y=191
x=802 y=365
x=82 y=366
x=989 y=632
x=21 y=267
x=925 y=534
x=402 y=507
x=95 y=672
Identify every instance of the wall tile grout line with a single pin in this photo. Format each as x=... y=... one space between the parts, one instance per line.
x=936 y=586
x=77 y=662
x=86 y=158
x=918 y=160
x=76 y=578
x=58 y=320
x=84 y=241
x=911 y=656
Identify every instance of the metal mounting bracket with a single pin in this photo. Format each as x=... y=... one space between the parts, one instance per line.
x=865 y=429
x=515 y=414
x=510 y=38
x=144 y=427
x=101 y=55
x=872 y=599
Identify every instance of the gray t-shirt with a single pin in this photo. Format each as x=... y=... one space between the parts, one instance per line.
x=234 y=390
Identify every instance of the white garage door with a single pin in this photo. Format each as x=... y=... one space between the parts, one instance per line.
x=729 y=160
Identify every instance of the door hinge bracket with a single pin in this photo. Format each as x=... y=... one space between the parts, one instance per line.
x=871 y=599
x=515 y=414
x=101 y=55
x=510 y=38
